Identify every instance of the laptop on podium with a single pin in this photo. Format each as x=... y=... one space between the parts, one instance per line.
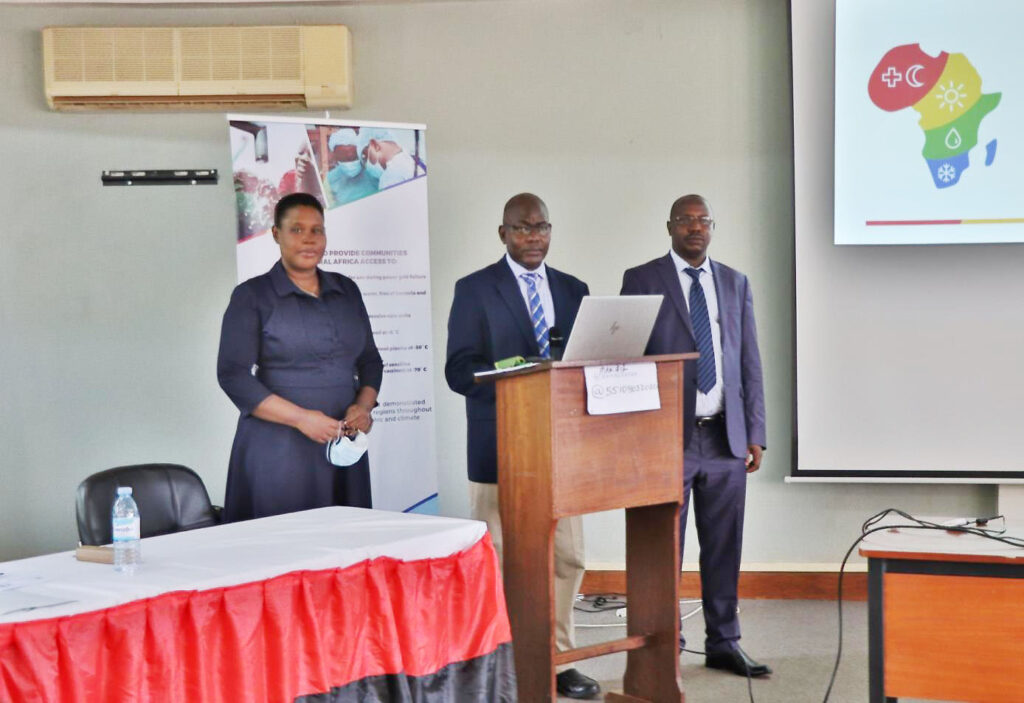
x=612 y=327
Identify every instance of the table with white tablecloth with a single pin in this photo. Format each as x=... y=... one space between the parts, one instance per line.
x=334 y=604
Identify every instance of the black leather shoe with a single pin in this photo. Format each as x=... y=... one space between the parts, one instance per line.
x=737 y=661
x=572 y=684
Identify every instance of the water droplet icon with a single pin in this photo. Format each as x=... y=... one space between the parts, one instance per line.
x=953 y=139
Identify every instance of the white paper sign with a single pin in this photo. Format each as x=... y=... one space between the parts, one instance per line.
x=621 y=388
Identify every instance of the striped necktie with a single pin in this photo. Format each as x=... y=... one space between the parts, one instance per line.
x=540 y=325
x=701 y=332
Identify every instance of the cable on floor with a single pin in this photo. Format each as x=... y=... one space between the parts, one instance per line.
x=976 y=527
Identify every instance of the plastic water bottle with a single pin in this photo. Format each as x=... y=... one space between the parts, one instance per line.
x=127 y=532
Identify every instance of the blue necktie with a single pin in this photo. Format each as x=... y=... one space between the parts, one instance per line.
x=701 y=332
x=540 y=326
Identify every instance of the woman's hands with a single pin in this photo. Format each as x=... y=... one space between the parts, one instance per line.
x=357 y=418
x=316 y=425
x=319 y=427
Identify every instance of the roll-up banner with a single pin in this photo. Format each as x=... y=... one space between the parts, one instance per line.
x=372 y=180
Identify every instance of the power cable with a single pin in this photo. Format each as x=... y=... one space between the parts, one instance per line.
x=974 y=526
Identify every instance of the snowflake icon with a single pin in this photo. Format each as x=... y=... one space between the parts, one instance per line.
x=946 y=173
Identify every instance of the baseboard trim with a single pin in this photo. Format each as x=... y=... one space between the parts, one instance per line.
x=782 y=585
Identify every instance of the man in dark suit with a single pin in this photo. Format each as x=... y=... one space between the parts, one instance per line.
x=708 y=308
x=508 y=309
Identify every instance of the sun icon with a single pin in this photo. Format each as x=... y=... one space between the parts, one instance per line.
x=951 y=95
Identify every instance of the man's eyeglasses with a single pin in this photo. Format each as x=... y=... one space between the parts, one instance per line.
x=542 y=228
x=687 y=220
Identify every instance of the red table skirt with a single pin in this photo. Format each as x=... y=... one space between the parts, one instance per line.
x=312 y=635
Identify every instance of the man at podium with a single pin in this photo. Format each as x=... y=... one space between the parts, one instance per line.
x=708 y=308
x=503 y=310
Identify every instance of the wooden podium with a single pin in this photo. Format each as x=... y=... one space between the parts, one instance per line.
x=555 y=461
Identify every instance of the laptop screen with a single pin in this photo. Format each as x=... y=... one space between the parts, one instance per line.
x=612 y=327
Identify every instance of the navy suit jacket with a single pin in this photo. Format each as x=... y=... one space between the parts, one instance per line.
x=489 y=322
x=741 y=360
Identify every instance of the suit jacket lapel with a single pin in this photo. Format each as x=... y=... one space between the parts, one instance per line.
x=725 y=301
x=508 y=287
x=670 y=277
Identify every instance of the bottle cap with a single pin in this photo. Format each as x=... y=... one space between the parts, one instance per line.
x=124 y=490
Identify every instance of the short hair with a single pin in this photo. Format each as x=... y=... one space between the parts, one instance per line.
x=294 y=200
x=522 y=200
x=687 y=200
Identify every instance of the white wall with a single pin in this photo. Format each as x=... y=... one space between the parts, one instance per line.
x=110 y=298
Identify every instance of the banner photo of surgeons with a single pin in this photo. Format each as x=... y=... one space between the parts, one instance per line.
x=371 y=178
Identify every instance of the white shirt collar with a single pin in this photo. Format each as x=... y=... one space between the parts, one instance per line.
x=518 y=269
x=682 y=264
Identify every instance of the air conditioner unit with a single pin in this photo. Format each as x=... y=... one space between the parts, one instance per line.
x=197 y=68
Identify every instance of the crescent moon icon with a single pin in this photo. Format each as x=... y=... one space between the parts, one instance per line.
x=911 y=74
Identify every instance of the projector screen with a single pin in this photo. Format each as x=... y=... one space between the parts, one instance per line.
x=908 y=358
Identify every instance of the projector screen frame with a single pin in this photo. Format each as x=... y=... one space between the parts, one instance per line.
x=840 y=475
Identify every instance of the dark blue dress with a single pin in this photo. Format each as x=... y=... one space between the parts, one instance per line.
x=314 y=351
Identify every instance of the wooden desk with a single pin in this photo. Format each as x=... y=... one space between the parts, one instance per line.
x=945 y=616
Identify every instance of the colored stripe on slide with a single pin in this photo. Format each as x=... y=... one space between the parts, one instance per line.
x=902 y=223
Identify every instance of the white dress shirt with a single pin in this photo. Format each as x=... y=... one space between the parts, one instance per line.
x=712 y=402
x=543 y=289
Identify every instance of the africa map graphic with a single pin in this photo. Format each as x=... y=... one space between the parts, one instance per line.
x=946 y=91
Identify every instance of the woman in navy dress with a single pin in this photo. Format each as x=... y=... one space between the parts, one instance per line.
x=297 y=357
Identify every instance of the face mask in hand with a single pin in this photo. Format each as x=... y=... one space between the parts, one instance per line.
x=347 y=450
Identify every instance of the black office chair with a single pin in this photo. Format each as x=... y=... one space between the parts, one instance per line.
x=171 y=498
